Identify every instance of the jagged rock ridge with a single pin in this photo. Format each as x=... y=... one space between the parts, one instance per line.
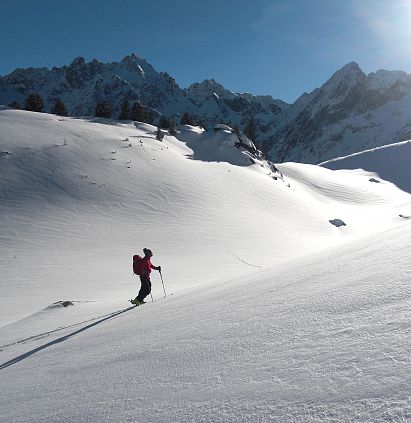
x=81 y=85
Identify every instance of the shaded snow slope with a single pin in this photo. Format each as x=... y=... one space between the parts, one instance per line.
x=80 y=197
x=391 y=163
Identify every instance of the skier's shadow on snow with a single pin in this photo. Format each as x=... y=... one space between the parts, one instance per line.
x=62 y=338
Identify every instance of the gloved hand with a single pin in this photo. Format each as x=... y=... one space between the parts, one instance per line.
x=159 y=268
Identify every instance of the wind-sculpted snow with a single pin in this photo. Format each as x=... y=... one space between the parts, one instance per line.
x=276 y=314
x=391 y=163
x=79 y=198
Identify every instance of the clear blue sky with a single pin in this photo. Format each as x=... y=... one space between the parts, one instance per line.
x=282 y=48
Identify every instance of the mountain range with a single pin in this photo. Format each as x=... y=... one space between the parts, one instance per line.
x=350 y=112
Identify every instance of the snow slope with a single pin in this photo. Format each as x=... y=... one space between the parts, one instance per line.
x=390 y=162
x=276 y=314
x=323 y=340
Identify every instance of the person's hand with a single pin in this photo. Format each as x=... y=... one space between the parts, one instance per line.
x=159 y=268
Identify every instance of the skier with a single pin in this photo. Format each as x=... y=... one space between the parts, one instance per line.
x=146 y=267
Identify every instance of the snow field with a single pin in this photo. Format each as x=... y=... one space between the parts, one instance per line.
x=78 y=201
x=323 y=339
x=277 y=315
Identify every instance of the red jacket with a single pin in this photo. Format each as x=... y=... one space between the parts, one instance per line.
x=146 y=266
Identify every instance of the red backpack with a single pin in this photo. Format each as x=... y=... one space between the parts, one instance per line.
x=137 y=264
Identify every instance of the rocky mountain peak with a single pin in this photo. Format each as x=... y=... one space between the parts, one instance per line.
x=135 y=64
x=131 y=61
x=349 y=113
x=78 y=62
x=130 y=58
x=351 y=73
x=208 y=88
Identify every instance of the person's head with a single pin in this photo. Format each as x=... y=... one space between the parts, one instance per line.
x=147 y=252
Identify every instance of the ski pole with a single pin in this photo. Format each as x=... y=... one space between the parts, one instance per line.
x=161 y=276
x=152 y=299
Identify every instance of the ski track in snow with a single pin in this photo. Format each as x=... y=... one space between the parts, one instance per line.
x=277 y=315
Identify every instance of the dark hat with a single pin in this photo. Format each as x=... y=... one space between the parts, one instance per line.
x=147 y=251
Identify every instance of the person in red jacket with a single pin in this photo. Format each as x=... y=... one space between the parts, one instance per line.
x=146 y=267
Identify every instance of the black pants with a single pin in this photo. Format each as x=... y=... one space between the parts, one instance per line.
x=145 y=287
